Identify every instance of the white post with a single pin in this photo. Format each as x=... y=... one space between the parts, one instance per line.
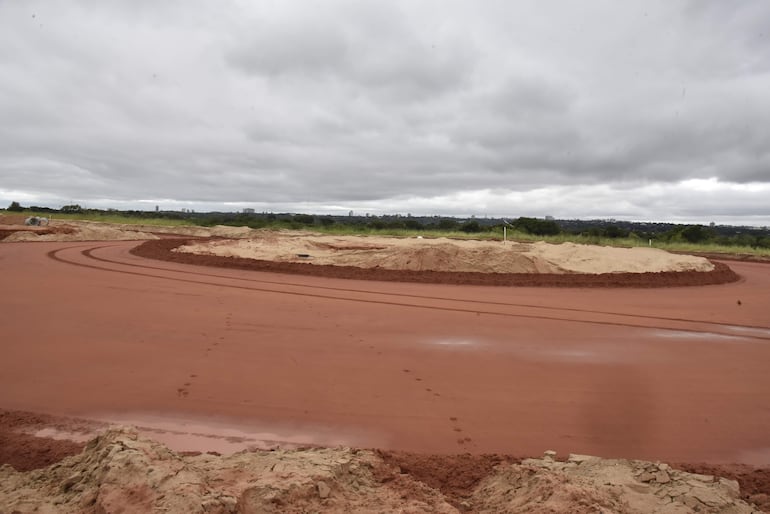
x=505 y=234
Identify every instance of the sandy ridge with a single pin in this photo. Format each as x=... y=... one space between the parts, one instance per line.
x=370 y=252
x=119 y=469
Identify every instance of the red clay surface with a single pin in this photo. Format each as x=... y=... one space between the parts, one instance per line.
x=675 y=374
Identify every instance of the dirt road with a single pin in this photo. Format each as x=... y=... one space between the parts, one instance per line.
x=680 y=374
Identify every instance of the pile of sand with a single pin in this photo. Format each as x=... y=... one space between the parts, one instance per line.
x=444 y=254
x=79 y=232
x=14 y=230
x=579 y=258
x=416 y=254
x=120 y=471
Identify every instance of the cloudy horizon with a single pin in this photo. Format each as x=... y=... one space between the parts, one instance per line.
x=652 y=111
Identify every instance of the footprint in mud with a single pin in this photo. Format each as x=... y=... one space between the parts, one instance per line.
x=420 y=379
x=184 y=391
x=458 y=429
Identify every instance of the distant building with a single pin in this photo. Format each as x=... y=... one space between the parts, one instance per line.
x=248 y=211
x=549 y=218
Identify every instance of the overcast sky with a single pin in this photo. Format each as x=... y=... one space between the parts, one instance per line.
x=649 y=110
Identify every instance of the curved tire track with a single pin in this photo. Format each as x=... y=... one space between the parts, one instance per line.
x=466 y=306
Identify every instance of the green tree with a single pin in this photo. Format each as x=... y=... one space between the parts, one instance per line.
x=305 y=219
x=447 y=224
x=537 y=227
x=15 y=207
x=470 y=226
x=413 y=224
x=614 y=231
x=695 y=234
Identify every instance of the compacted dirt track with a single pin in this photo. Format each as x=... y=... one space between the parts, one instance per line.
x=677 y=374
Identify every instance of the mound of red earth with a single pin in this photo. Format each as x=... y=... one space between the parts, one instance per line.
x=162 y=250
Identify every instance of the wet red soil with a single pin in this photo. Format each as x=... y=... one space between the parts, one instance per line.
x=675 y=373
x=20 y=448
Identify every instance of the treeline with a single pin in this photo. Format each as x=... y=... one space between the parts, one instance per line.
x=77 y=209
x=696 y=234
x=593 y=229
x=298 y=221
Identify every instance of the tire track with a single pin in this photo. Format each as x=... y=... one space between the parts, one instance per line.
x=88 y=254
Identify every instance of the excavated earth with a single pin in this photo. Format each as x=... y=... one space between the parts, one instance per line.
x=118 y=471
x=64 y=464
x=163 y=249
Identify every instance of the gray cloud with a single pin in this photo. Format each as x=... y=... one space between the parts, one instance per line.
x=442 y=106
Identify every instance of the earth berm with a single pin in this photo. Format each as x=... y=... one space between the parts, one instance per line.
x=118 y=471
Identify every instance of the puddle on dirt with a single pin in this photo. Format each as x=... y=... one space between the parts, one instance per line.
x=64 y=435
x=197 y=435
x=759 y=457
x=749 y=331
x=576 y=356
x=700 y=336
x=524 y=350
x=455 y=343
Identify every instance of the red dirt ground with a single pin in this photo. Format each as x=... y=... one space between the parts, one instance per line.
x=676 y=374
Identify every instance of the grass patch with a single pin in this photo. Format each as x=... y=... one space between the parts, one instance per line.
x=712 y=248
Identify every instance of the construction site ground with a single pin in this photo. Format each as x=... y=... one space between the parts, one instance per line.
x=419 y=378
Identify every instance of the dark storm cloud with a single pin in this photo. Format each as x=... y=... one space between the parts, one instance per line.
x=442 y=106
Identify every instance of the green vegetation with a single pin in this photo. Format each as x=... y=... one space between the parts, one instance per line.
x=687 y=238
x=537 y=227
x=102 y=216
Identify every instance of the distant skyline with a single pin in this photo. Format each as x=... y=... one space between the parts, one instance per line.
x=644 y=111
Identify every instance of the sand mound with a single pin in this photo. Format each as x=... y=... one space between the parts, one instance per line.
x=370 y=252
x=80 y=232
x=119 y=471
x=12 y=229
x=447 y=255
x=603 y=259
